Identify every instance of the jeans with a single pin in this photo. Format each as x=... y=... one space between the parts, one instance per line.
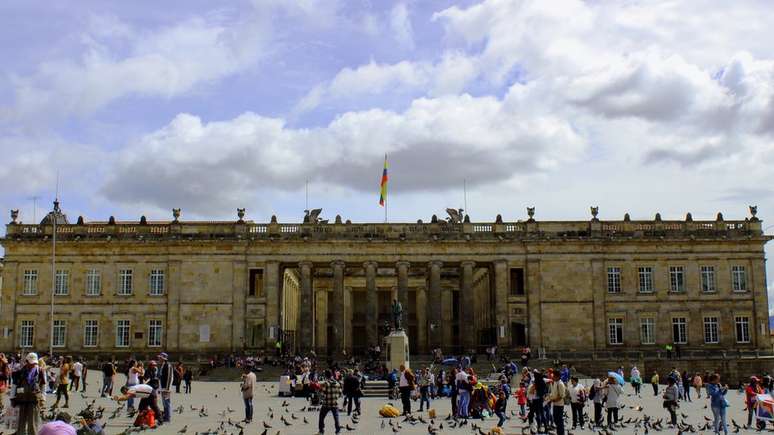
x=597 y=414
x=353 y=398
x=323 y=412
x=464 y=402
x=522 y=410
x=187 y=387
x=720 y=419
x=107 y=385
x=612 y=416
x=405 y=398
x=655 y=389
x=248 y=409
x=750 y=415
x=672 y=415
x=423 y=398
x=577 y=415
x=75 y=383
x=130 y=402
x=166 y=401
x=559 y=419
x=536 y=411
x=501 y=416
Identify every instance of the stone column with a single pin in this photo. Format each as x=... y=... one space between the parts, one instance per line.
x=372 y=304
x=435 y=306
x=337 y=308
x=305 y=339
x=271 y=288
x=13 y=283
x=759 y=324
x=173 y=307
x=239 y=287
x=421 y=322
x=468 y=332
x=501 y=302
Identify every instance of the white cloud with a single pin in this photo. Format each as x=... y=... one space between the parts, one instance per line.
x=217 y=164
x=400 y=25
x=168 y=62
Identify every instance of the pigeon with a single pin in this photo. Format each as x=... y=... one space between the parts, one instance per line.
x=183 y=430
x=266 y=425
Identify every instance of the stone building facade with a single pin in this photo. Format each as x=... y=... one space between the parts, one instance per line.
x=239 y=286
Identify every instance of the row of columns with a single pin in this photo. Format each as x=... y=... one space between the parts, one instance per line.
x=437 y=314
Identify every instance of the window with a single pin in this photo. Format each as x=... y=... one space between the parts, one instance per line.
x=30 y=283
x=615 y=330
x=738 y=279
x=93 y=283
x=256 y=283
x=125 y=282
x=708 y=279
x=646 y=279
x=711 y=330
x=517 y=282
x=27 y=333
x=614 y=280
x=157 y=282
x=154 y=333
x=676 y=279
x=679 y=330
x=90 y=333
x=742 y=329
x=59 y=333
x=123 y=329
x=648 y=330
x=61 y=287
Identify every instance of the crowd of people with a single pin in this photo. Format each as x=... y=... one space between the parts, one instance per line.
x=30 y=379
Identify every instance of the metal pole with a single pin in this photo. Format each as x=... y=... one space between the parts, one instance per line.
x=53 y=289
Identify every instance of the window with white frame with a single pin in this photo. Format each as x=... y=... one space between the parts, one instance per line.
x=30 y=283
x=125 y=284
x=59 y=333
x=742 y=329
x=27 y=333
x=679 y=330
x=615 y=330
x=123 y=329
x=648 y=330
x=646 y=279
x=90 y=333
x=93 y=282
x=155 y=331
x=157 y=282
x=738 y=279
x=62 y=285
x=711 y=334
x=614 y=280
x=676 y=279
x=708 y=279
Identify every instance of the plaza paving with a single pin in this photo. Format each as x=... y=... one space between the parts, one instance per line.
x=222 y=402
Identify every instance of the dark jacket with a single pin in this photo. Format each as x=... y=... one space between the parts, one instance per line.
x=351 y=385
x=165 y=375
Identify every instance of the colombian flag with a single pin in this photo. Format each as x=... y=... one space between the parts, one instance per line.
x=383 y=190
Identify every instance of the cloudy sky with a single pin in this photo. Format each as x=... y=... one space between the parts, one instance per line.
x=635 y=106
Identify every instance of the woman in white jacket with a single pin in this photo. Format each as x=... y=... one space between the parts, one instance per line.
x=613 y=392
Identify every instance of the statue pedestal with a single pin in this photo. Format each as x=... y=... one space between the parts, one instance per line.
x=397 y=346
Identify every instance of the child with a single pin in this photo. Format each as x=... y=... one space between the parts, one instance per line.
x=499 y=408
x=521 y=399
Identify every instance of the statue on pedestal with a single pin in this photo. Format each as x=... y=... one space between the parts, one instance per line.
x=397 y=314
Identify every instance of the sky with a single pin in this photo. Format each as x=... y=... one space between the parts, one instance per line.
x=634 y=106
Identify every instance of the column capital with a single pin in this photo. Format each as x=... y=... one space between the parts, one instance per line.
x=402 y=263
x=338 y=263
x=371 y=263
x=468 y=263
x=435 y=263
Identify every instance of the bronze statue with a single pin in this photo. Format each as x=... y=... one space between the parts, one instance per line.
x=455 y=216
x=397 y=314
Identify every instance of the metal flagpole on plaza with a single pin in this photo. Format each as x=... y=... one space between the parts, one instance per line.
x=465 y=198
x=53 y=271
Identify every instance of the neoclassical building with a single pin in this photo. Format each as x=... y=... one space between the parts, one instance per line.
x=239 y=285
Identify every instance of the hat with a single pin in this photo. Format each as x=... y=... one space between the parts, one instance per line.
x=754 y=379
x=164 y=356
x=31 y=358
x=152 y=363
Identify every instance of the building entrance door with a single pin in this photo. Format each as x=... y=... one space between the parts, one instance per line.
x=518 y=334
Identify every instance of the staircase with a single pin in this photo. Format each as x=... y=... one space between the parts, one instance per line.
x=376 y=389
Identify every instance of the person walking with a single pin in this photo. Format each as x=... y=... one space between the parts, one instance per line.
x=578 y=398
x=63 y=386
x=671 y=394
x=177 y=376
x=108 y=372
x=654 y=382
x=499 y=408
x=635 y=380
x=165 y=382
x=29 y=397
x=424 y=388
x=751 y=396
x=187 y=377
x=76 y=374
x=331 y=392
x=453 y=391
x=464 y=389
x=698 y=383
x=248 y=388
x=556 y=396
x=613 y=392
x=84 y=375
x=352 y=392
x=687 y=385
x=406 y=385
x=718 y=403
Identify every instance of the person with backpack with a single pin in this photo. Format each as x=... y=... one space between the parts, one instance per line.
x=578 y=397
